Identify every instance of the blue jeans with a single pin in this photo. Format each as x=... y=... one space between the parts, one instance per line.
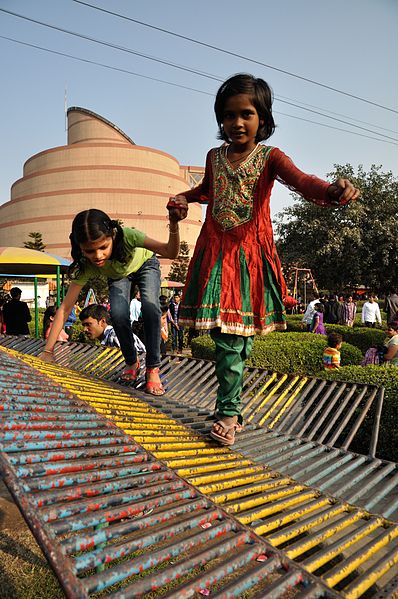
x=148 y=280
x=177 y=338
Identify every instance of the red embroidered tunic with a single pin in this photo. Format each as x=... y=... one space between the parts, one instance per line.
x=234 y=279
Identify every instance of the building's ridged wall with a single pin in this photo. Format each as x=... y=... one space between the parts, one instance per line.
x=99 y=168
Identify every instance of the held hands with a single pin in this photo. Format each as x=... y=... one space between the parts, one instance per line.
x=178 y=208
x=342 y=191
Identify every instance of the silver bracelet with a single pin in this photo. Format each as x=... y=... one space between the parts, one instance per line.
x=48 y=351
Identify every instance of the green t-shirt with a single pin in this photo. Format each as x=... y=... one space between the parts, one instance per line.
x=136 y=255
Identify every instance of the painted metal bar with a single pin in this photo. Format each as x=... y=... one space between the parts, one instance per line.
x=349 y=413
x=72 y=587
x=119 y=572
x=319 y=390
x=289 y=400
x=199 y=510
x=327 y=408
x=295 y=410
x=378 y=476
x=323 y=509
x=338 y=547
x=376 y=423
x=360 y=557
x=241 y=556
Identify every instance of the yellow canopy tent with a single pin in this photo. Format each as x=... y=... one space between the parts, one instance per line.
x=23 y=262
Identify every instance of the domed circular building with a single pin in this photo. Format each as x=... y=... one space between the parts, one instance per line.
x=100 y=167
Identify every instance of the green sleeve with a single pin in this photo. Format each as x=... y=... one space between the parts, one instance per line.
x=133 y=239
x=86 y=273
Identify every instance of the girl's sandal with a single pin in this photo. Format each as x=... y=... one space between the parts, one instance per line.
x=130 y=373
x=154 y=387
x=227 y=428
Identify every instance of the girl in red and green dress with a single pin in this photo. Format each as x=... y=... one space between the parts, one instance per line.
x=235 y=287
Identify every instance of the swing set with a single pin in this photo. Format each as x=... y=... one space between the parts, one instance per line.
x=305 y=277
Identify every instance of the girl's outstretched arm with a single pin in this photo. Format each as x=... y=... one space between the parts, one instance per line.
x=60 y=318
x=171 y=248
x=310 y=187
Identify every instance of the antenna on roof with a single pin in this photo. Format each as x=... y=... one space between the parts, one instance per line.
x=65 y=109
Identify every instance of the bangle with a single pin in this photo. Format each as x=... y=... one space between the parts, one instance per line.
x=48 y=351
x=175 y=232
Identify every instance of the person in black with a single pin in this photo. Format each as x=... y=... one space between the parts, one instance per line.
x=16 y=314
x=333 y=310
x=177 y=332
x=391 y=306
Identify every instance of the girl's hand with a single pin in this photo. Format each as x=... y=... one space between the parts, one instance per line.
x=343 y=191
x=47 y=356
x=178 y=208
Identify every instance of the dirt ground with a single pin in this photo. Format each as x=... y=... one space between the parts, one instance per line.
x=24 y=573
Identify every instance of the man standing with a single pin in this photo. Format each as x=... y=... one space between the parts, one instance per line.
x=16 y=314
x=177 y=332
x=391 y=306
x=310 y=311
x=371 y=313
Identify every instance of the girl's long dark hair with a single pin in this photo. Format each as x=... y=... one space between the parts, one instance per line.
x=48 y=314
x=90 y=225
x=261 y=97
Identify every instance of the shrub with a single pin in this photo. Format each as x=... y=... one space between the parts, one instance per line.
x=360 y=336
x=299 y=353
x=387 y=377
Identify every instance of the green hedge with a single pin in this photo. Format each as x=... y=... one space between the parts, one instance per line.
x=299 y=353
x=361 y=337
x=387 y=377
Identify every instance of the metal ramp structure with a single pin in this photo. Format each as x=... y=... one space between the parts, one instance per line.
x=313 y=409
x=87 y=461
x=301 y=426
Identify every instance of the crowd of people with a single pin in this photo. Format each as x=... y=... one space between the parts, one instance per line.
x=341 y=310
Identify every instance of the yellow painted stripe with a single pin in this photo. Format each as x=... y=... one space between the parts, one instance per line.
x=259 y=393
x=222 y=497
x=279 y=400
x=268 y=397
x=302 y=546
x=287 y=403
x=291 y=515
x=372 y=576
x=229 y=483
x=277 y=507
x=256 y=501
x=227 y=476
x=362 y=555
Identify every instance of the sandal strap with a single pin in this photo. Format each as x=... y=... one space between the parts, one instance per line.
x=154 y=369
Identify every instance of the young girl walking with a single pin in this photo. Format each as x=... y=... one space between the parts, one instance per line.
x=100 y=246
x=235 y=287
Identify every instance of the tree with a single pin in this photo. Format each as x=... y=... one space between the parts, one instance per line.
x=36 y=242
x=179 y=266
x=350 y=245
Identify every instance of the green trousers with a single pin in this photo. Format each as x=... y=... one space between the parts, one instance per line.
x=231 y=353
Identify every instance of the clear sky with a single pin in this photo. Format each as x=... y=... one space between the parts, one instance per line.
x=350 y=45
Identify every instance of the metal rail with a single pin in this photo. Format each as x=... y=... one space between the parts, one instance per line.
x=351 y=550
x=113 y=519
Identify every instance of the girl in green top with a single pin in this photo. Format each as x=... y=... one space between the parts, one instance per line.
x=100 y=246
